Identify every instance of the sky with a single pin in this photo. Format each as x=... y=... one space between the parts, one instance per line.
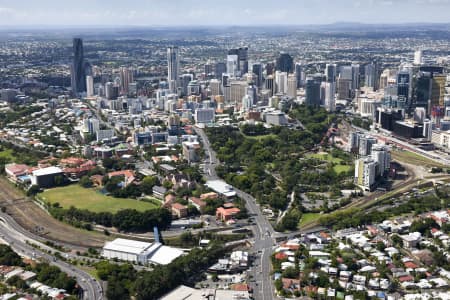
x=67 y=13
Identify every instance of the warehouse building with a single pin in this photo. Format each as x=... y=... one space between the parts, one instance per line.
x=46 y=177
x=140 y=252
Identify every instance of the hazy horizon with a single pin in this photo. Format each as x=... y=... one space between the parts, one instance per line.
x=158 y=13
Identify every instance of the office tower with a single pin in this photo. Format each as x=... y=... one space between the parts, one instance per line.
x=242 y=60
x=270 y=84
x=299 y=74
x=345 y=72
x=225 y=80
x=184 y=82
x=173 y=68
x=381 y=155
x=270 y=67
x=257 y=69
x=285 y=63
x=438 y=89
x=330 y=73
x=109 y=91
x=220 y=69
x=330 y=96
x=208 y=68
x=214 y=86
x=292 y=86
x=403 y=79
x=365 y=173
x=232 y=65
x=371 y=75
x=126 y=77
x=418 y=60
x=78 y=80
x=89 y=86
x=238 y=89
x=343 y=88
x=312 y=91
x=281 y=82
x=355 y=77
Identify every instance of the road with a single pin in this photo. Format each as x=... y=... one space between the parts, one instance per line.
x=18 y=242
x=264 y=234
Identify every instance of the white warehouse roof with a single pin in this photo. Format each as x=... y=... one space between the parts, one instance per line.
x=47 y=171
x=221 y=187
x=128 y=246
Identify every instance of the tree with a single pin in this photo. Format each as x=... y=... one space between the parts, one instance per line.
x=8 y=257
x=33 y=190
x=148 y=183
x=85 y=182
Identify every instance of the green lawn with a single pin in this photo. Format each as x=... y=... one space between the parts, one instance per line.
x=338 y=168
x=307 y=218
x=260 y=137
x=92 y=200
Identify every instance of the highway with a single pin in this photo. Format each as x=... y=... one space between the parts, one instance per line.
x=264 y=234
x=18 y=239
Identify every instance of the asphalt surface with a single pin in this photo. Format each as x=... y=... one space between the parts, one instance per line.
x=15 y=236
x=264 y=234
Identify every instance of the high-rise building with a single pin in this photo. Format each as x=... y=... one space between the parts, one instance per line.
x=343 y=88
x=422 y=91
x=257 y=69
x=365 y=173
x=330 y=96
x=126 y=77
x=312 y=91
x=214 y=86
x=299 y=74
x=371 y=76
x=242 y=61
x=281 y=82
x=292 y=86
x=330 y=72
x=381 y=155
x=89 y=86
x=233 y=65
x=418 y=60
x=220 y=69
x=270 y=84
x=355 y=77
x=365 y=145
x=285 y=63
x=78 y=73
x=403 y=87
x=427 y=129
x=173 y=68
x=208 y=68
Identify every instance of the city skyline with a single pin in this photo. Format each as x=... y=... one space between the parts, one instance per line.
x=197 y=12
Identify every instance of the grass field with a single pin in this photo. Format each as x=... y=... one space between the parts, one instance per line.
x=92 y=200
x=338 y=168
x=307 y=218
x=413 y=158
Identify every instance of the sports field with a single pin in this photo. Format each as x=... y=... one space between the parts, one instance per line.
x=338 y=168
x=91 y=199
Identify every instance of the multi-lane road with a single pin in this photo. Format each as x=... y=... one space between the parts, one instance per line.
x=264 y=234
x=20 y=240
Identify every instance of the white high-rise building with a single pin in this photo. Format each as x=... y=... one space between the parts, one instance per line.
x=330 y=96
x=381 y=155
x=173 y=68
x=418 y=60
x=233 y=65
x=89 y=86
x=281 y=82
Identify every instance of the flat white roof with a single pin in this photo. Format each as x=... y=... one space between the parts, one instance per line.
x=128 y=246
x=221 y=187
x=164 y=255
x=47 y=171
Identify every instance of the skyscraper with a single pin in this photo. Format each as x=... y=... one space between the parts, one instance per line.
x=330 y=87
x=403 y=79
x=220 y=68
x=281 y=82
x=242 y=61
x=292 y=86
x=312 y=91
x=418 y=60
x=78 y=74
x=173 y=66
x=257 y=69
x=299 y=74
x=330 y=72
x=371 y=75
x=285 y=63
x=89 y=86
x=233 y=65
